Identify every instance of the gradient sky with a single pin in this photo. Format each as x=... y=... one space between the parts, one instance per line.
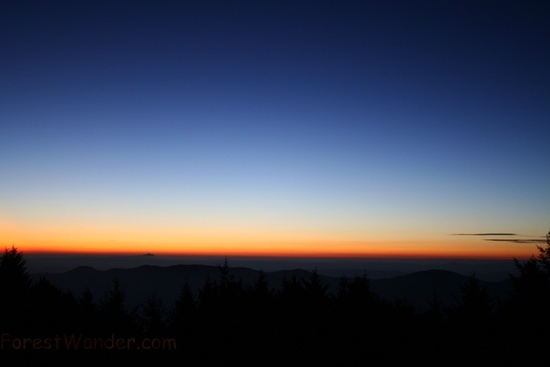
x=262 y=127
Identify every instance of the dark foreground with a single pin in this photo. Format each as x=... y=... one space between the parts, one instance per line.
x=300 y=324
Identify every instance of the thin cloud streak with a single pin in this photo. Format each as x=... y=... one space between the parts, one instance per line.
x=486 y=234
x=514 y=240
x=524 y=240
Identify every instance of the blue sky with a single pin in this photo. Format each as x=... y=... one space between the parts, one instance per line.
x=330 y=120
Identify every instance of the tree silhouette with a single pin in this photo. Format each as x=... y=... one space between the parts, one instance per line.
x=531 y=300
x=292 y=290
x=153 y=317
x=57 y=310
x=300 y=323
x=225 y=276
x=259 y=303
x=315 y=290
x=356 y=293
x=88 y=313
x=229 y=290
x=208 y=294
x=474 y=303
x=261 y=287
x=14 y=290
x=532 y=285
x=183 y=317
x=184 y=307
x=544 y=254
x=13 y=272
x=115 y=316
x=259 y=298
x=436 y=308
x=114 y=301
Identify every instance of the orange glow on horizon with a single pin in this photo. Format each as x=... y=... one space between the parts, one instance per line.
x=248 y=243
x=330 y=249
x=297 y=255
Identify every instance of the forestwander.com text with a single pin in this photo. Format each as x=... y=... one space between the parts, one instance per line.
x=81 y=342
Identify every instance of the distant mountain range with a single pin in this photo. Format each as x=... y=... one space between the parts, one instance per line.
x=165 y=282
x=420 y=288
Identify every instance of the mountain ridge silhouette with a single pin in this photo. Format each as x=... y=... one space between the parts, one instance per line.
x=164 y=282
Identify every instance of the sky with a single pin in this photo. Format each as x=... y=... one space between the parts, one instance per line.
x=288 y=128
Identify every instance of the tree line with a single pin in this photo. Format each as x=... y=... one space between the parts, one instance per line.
x=299 y=324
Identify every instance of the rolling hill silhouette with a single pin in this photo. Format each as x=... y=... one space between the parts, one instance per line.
x=420 y=288
x=164 y=283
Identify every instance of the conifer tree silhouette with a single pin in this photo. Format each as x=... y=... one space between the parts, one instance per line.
x=208 y=294
x=87 y=313
x=184 y=307
x=153 y=317
x=532 y=285
x=436 y=311
x=260 y=292
x=474 y=303
x=225 y=276
x=544 y=254
x=53 y=309
x=531 y=296
x=356 y=293
x=14 y=277
x=315 y=290
x=292 y=290
x=113 y=309
x=14 y=290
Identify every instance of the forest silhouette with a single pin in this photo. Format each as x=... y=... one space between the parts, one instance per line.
x=298 y=324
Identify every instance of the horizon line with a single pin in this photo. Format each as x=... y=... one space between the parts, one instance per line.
x=275 y=256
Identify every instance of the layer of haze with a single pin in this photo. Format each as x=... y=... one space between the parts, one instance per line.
x=326 y=128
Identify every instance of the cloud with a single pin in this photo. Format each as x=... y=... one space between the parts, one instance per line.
x=486 y=234
x=515 y=240
x=533 y=239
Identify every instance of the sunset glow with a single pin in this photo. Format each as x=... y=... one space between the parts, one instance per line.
x=326 y=130
x=219 y=243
